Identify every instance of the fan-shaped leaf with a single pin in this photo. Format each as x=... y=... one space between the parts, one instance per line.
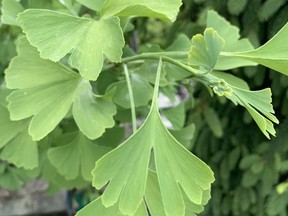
x=177 y=168
x=77 y=154
x=93 y=114
x=205 y=50
x=56 y=34
x=142 y=91
x=272 y=54
x=97 y=208
x=47 y=90
x=162 y=9
x=155 y=203
x=257 y=103
x=233 y=42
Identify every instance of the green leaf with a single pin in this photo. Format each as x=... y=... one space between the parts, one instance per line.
x=185 y=135
x=142 y=91
x=93 y=114
x=161 y=9
x=56 y=34
x=205 y=50
x=19 y=148
x=9 y=10
x=176 y=115
x=233 y=42
x=97 y=208
x=76 y=155
x=176 y=167
x=155 y=203
x=53 y=88
x=257 y=103
x=49 y=85
x=272 y=54
x=95 y=5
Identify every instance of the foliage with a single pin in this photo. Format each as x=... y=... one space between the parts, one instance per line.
x=80 y=75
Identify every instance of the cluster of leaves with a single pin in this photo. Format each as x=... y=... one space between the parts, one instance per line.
x=65 y=99
x=262 y=196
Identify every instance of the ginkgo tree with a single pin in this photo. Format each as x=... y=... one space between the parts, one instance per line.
x=66 y=94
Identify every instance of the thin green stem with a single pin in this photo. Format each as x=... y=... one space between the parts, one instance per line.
x=156 y=56
x=132 y=103
x=156 y=87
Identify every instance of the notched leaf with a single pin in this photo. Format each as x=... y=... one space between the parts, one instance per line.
x=17 y=146
x=76 y=155
x=272 y=54
x=45 y=91
x=205 y=50
x=126 y=168
x=56 y=34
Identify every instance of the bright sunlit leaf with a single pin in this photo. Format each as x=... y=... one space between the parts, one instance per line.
x=56 y=34
x=126 y=168
x=205 y=50
x=162 y=9
x=46 y=91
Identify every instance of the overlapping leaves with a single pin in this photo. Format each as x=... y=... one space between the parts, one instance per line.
x=179 y=172
x=163 y=9
x=257 y=103
x=56 y=34
x=76 y=154
x=16 y=144
x=233 y=43
x=272 y=54
x=47 y=90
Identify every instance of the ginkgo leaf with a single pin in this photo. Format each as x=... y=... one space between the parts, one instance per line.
x=176 y=167
x=257 y=103
x=77 y=154
x=205 y=50
x=56 y=34
x=92 y=112
x=233 y=42
x=162 y=9
x=155 y=203
x=97 y=208
x=95 y=5
x=176 y=115
x=10 y=9
x=272 y=54
x=142 y=91
x=46 y=91
x=18 y=146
